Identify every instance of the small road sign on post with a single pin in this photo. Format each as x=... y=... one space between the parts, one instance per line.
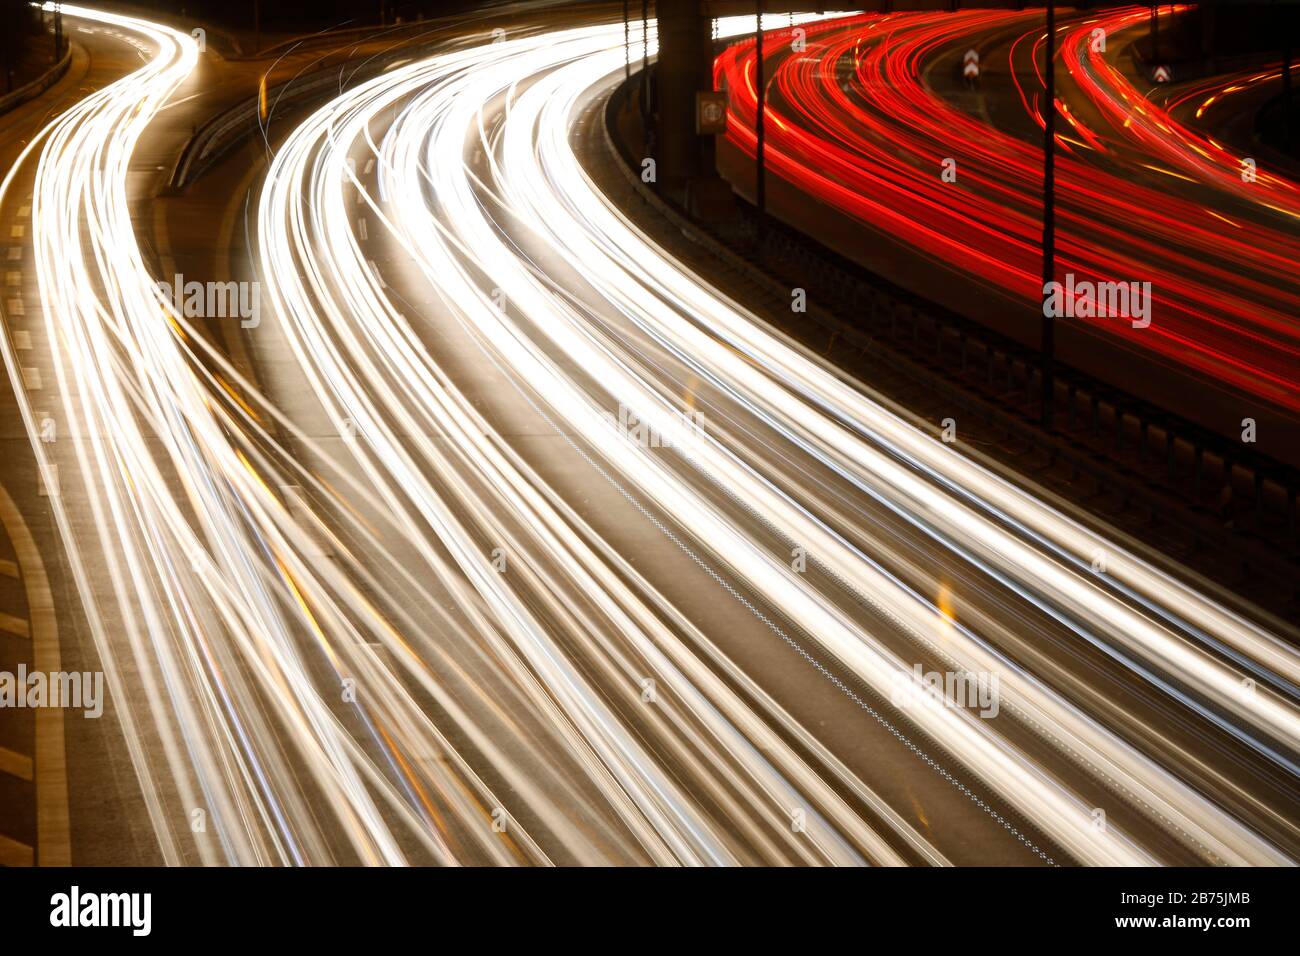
x=711 y=113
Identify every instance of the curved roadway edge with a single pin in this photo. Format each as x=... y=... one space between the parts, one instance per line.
x=1085 y=464
x=101 y=813
x=53 y=829
x=36 y=87
x=225 y=131
x=215 y=139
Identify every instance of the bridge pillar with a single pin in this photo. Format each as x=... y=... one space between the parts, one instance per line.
x=685 y=158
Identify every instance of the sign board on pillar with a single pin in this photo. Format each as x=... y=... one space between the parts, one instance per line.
x=1162 y=74
x=711 y=113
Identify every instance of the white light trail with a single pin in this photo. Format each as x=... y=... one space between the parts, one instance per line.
x=435 y=207
x=409 y=645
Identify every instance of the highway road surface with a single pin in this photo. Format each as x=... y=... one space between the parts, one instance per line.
x=499 y=538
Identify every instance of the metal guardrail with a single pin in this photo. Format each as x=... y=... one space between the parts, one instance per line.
x=219 y=41
x=337 y=36
x=34 y=88
x=221 y=134
x=216 y=138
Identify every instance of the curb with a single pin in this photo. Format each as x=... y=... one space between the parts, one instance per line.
x=36 y=87
x=53 y=828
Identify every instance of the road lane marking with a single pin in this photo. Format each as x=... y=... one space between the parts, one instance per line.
x=52 y=489
x=15 y=764
x=53 y=829
x=318 y=544
x=13 y=624
x=13 y=853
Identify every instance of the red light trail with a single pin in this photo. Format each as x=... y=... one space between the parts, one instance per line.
x=853 y=122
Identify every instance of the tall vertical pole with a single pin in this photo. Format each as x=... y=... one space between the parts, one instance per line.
x=1155 y=34
x=1287 y=85
x=645 y=61
x=760 y=170
x=1048 y=336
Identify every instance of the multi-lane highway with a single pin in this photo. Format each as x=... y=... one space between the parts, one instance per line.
x=505 y=539
x=872 y=120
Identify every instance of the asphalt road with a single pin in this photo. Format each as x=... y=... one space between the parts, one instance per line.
x=98 y=793
x=93 y=786
x=375 y=581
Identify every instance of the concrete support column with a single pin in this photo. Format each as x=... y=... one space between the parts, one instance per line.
x=683 y=69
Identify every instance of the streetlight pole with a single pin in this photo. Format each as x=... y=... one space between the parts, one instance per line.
x=1155 y=34
x=760 y=171
x=1048 y=333
x=1287 y=85
x=645 y=60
